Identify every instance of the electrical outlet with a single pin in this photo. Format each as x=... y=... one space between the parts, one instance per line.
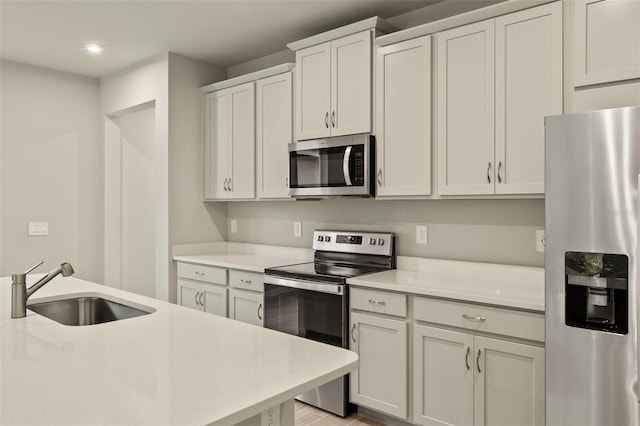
x=271 y=417
x=37 y=229
x=540 y=241
x=234 y=226
x=297 y=229
x=421 y=234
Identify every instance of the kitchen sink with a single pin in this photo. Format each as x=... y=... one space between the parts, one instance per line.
x=87 y=310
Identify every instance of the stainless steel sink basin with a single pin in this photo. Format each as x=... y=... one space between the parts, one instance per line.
x=87 y=310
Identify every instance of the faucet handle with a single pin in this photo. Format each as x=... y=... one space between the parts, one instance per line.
x=33 y=267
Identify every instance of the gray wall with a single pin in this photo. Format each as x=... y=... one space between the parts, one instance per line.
x=51 y=170
x=494 y=231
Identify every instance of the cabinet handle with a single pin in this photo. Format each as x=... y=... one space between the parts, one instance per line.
x=200 y=273
x=478 y=362
x=499 y=167
x=466 y=358
x=326 y=119
x=476 y=319
x=196 y=298
x=230 y=187
x=287 y=182
x=379 y=177
x=353 y=329
x=488 y=169
x=333 y=119
x=259 y=308
x=376 y=302
x=200 y=298
x=242 y=280
x=225 y=185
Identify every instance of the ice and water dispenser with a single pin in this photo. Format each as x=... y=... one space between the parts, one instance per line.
x=596 y=295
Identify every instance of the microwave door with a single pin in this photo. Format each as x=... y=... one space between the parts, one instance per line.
x=345 y=166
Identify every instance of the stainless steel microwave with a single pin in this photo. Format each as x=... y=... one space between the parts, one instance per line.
x=333 y=167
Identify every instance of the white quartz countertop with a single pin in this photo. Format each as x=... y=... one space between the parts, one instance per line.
x=244 y=261
x=175 y=366
x=518 y=287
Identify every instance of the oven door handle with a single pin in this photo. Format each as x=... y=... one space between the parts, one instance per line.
x=345 y=165
x=318 y=286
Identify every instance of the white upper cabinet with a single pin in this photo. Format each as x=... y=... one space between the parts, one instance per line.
x=230 y=143
x=496 y=81
x=528 y=88
x=403 y=118
x=274 y=129
x=465 y=103
x=606 y=41
x=333 y=87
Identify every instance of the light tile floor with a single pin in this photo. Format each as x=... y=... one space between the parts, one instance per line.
x=307 y=415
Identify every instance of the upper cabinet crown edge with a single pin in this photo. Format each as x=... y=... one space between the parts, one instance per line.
x=246 y=78
x=366 y=24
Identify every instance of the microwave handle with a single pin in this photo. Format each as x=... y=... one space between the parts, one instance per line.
x=345 y=165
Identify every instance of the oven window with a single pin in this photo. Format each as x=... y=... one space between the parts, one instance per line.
x=305 y=313
x=317 y=168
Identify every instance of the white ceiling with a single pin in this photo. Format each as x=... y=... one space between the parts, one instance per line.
x=224 y=32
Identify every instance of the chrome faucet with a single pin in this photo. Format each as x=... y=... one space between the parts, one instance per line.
x=20 y=293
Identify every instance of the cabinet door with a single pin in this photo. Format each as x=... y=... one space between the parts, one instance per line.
x=606 y=41
x=443 y=366
x=380 y=382
x=214 y=300
x=216 y=144
x=465 y=102
x=246 y=306
x=403 y=108
x=528 y=88
x=509 y=387
x=189 y=294
x=351 y=84
x=313 y=91
x=274 y=128
x=242 y=142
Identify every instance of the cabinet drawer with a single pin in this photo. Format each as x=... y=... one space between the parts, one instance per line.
x=524 y=325
x=246 y=280
x=205 y=273
x=379 y=301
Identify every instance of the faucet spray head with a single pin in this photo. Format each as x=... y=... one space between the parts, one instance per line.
x=66 y=269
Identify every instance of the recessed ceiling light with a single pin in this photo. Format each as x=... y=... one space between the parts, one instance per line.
x=94 y=48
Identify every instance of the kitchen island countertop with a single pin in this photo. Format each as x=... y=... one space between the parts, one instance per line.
x=175 y=366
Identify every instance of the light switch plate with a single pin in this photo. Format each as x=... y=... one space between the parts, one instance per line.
x=421 y=234
x=38 y=229
x=234 y=226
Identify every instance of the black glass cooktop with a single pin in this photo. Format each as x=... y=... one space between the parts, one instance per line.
x=334 y=272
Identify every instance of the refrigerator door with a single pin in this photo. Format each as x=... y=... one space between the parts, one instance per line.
x=591 y=174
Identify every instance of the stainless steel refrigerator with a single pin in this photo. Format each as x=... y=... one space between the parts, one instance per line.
x=592 y=171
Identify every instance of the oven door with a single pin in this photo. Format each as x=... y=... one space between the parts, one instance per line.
x=313 y=310
x=331 y=167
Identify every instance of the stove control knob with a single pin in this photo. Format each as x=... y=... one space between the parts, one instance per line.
x=320 y=238
x=372 y=241
x=327 y=238
x=380 y=242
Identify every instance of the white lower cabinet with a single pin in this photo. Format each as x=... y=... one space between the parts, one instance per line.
x=463 y=377
x=380 y=381
x=246 y=306
x=203 y=297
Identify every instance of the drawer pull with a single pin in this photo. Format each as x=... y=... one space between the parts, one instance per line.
x=476 y=319
x=478 y=361
x=242 y=280
x=200 y=273
x=466 y=358
x=376 y=302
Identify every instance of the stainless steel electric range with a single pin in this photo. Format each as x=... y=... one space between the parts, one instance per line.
x=310 y=300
